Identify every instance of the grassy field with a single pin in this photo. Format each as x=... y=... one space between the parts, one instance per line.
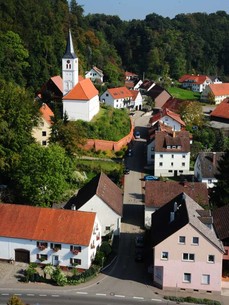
x=183 y=94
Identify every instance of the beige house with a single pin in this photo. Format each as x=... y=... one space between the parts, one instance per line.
x=216 y=91
x=42 y=132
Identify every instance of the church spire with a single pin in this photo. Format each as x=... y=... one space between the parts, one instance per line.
x=69 y=66
x=69 y=52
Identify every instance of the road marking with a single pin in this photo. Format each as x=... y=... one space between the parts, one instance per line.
x=119 y=296
x=55 y=295
x=156 y=300
x=81 y=292
x=30 y=294
x=101 y=294
x=138 y=298
x=43 y=295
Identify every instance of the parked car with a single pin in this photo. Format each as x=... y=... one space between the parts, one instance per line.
x=137 y=135
x=139 y=241
x=150 y=178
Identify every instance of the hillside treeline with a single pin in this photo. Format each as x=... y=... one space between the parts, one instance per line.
x=33 y=36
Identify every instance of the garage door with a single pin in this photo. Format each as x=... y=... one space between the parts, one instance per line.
x=22 y=256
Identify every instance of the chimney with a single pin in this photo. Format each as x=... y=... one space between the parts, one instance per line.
x=214 y=159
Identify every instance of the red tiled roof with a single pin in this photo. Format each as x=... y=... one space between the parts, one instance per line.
x=159 y=193
x=120 y=92
x=58 y=81
x=171 y=114
x=56 y=225
x=178 y=138
x=127 y=74
x=220 y=89
x=84 y=90
x=135 y=94
x=222 y=110
x=46 y=113
x=194 y=79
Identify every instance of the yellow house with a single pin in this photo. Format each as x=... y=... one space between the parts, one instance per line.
x=42 y=132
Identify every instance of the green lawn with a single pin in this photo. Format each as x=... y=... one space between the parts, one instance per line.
x=183 y=94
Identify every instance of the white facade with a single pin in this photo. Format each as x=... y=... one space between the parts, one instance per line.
x=94 y=75
x=109 y=219
x=81 y=109
x=69 y=74
x=62 y=257
x=167 y=120
x=148 y=216
x=115 y=103
x=170 y=164
x=137 y=103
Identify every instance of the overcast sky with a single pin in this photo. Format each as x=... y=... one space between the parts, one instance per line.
x=138 y=9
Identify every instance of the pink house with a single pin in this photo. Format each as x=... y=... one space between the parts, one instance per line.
x=187 y=255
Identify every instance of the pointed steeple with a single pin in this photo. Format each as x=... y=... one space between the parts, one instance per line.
x=69 y=52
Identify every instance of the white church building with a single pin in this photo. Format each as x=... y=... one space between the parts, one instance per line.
x=80 y=97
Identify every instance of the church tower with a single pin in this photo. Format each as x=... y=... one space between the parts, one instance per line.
x=69 y=67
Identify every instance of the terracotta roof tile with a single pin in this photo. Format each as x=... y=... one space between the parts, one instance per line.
x=194 y=79
x=222 y=110
x=58 y=81
x=220 y=89
x=56 y=225
x=120 y=92
x=178 y=138
x=46 y=113
x=158 y=193
x=84 y=90
x=221 y=222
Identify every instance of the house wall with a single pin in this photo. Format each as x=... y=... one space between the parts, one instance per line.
x=107 y=217
x=61 y=257
x=169 y=158
x=93 y=75
x=173 y=269
x=210 y=181
x=138 y=102
x=148 y=216
x=150 y=152
x=161 y=99
x=116 y=103
x=171 y=122
x=37 y=132
x=81 y=109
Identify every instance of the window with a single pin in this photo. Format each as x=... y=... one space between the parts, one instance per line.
x=183 y=164
x=209 y=181
x=164 y=255
x=170 y=171
x=180 y=171
x=43 y=133
x=160 y=163
x=44 y=143
x=55 y=247
x=107 y=228
x=75 y=249
x=195 y=240
x=42 y=245
x=42 y=257
x=205 y=279
x=187 y=277
x=188 y=257
x=161 y=156
x=172 y=156
x=75 y=261
x=183 y=156
x=171 y=163
x=181 y=239
x=211 y=258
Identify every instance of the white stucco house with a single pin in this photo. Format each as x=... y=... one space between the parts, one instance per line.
x=48 y=236
x=42 y=132
x=171 y=153
x=196 y=83
x=187 y=254
x=80 y=97
x=206 y=167
x=136 y=103
x=95 y=74
x=218 y=91
x=120 y=97
x=102 y=196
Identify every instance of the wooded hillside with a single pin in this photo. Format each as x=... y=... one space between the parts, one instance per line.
x=33 y=36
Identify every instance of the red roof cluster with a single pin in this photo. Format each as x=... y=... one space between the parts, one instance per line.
x=197 y=79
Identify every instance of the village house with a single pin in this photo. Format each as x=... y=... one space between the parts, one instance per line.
x=48 y=236
x=136 y=103
x=206 y=167
x=169 y=118
x=171 y=153
x=42 y=132
x=120 y=97
x=95 y=75
x=80 y=97
x=196 y=83
x=215 y=93
x=102 y=196
x=159 y=193
x=221 y=112
x=187 y=254
x=159 y=95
